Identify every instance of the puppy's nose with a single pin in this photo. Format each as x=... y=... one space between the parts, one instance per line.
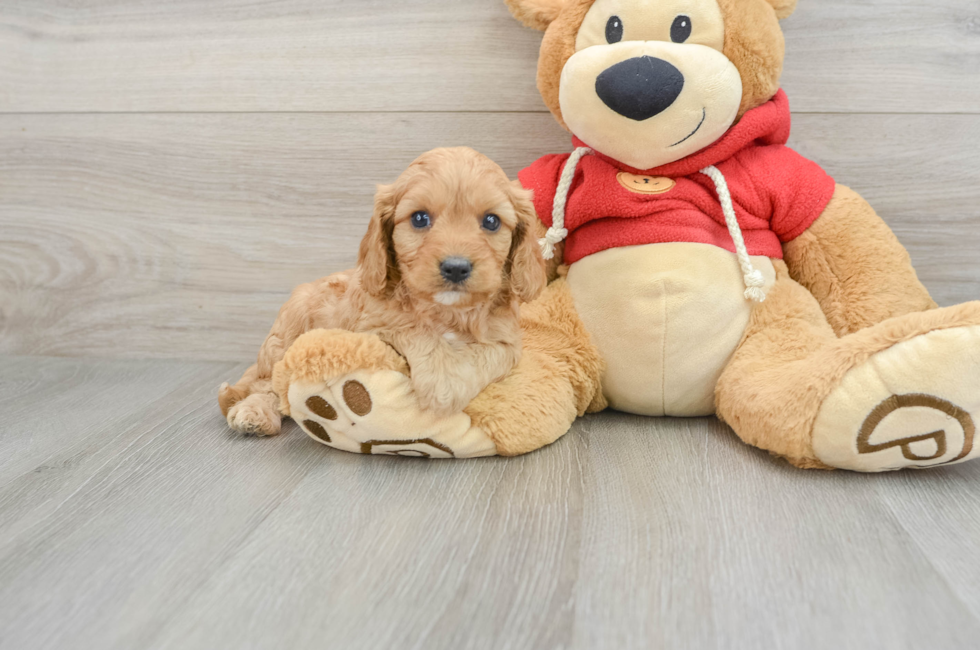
x=640 y=88
x=456 y=269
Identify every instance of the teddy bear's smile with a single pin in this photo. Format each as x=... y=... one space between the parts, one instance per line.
x=704 y=116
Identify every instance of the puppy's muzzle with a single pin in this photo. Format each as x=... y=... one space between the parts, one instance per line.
x=640 y=88
x=456 y=270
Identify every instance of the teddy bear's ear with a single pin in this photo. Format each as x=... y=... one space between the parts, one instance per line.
x=538 y=14
x=784 y=8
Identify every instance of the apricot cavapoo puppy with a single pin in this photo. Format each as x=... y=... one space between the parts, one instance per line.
x=449 y=255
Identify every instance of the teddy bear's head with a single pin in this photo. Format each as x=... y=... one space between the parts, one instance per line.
x=648 y=82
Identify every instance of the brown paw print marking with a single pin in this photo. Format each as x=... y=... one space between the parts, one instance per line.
x=315 y=429
x=368 y=447
x=896 y=402
x=321 y=407
x=357 y=398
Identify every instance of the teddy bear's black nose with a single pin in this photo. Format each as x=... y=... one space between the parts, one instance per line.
x=640 y=88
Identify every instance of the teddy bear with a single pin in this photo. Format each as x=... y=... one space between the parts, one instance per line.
x=698 y=267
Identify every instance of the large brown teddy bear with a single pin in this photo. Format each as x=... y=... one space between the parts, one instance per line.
x=705 y=268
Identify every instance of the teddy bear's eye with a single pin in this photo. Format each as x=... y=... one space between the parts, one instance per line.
x=680 y=31
x=614 y=30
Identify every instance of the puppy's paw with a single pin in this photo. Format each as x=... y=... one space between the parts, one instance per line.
x=255 y=416
x=440 y=395
x=228 y=396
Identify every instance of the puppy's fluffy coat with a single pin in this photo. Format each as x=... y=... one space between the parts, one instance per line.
x=457 y=334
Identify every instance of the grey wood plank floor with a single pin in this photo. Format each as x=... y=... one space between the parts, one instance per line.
x=132 y=519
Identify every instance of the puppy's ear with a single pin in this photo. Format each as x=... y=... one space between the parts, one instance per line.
x=376 y=257
x=536 y=14
x=525 y=265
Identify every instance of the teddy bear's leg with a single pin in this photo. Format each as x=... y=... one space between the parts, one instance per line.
x=352 y=391
x=854 y=265
x=903 y=393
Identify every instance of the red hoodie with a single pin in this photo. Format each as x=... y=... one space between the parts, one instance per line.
x=777 y=193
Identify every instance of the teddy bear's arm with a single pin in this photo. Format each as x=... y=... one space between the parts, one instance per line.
x=557 y=379
x=851 y=261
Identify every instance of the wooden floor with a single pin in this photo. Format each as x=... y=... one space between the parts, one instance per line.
x=133 y=519
x=169 y=170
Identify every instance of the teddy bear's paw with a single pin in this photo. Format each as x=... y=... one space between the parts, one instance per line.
x=256 y=415
x=376 y=412
x=916 y=404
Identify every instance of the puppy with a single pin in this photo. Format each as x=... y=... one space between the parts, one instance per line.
x=449 y=255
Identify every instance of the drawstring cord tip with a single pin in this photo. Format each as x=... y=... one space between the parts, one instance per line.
x=551 y=240
x=756 y=283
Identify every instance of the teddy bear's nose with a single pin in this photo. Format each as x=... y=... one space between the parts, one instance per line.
x=640 y=88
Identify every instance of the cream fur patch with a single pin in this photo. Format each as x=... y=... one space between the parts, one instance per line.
x=651 y=20
x=448 y=298
x=666 y=318
x=916 y=404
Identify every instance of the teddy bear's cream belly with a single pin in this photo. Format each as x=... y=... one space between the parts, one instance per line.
x=666 y=318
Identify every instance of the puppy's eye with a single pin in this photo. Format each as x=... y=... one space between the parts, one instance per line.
x=421 y=219
x=614 y=30
x=491 y=222
x=680 y=31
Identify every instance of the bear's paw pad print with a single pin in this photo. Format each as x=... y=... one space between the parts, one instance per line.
x=329 y=413
x=342 y=413
x=913 y=405
x=944 y=428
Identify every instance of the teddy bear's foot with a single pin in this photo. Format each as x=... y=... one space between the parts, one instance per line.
x=375 y=412
x=915 y=404
x=351 y=392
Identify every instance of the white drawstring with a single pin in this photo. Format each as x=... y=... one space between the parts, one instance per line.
x=754 y=280
x=557 y=233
